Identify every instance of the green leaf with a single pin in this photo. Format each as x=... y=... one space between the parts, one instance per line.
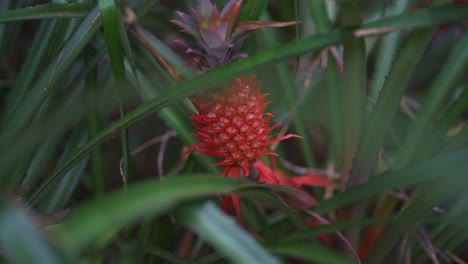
x=315 y=253
x=112 y=31
x=387 y=52
x=421 y=18
x=334 y=95
x=318 y=11
x=49 y=10
x=111 y=25
x=151 y=198
x=353 y=93
x=224 y=234
x=60 y=193
x=21 y=241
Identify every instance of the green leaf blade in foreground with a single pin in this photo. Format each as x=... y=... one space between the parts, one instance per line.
x=150 y=198
x=224 y=234
x=21 y=241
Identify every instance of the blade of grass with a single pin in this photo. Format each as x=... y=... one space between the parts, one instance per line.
x=334 y=95
x=318 y=11
x=353 y=101
x=224 y=234
x=353 y=94
x=386 y=53
x=93 y=121
x=150 y=198
x=49 y=10
x=22 y=242
x=112 y=32
x=42 y=156
x=59 y=194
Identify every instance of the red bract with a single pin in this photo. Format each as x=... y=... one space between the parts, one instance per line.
x=266 y=174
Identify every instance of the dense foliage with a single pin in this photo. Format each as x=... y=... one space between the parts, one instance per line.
x=98 y=111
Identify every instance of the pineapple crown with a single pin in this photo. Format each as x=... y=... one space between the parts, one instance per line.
x=218 y=36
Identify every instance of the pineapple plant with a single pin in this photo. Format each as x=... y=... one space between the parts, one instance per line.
x=233 y=123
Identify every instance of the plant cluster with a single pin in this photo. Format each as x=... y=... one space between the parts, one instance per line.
x=235 y=131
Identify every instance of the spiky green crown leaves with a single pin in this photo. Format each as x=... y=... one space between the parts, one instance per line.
x=218 y=36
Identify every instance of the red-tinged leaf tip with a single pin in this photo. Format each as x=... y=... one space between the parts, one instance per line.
x=230 y=14
x=283 y=138
x=313 y=180
x=232 y=7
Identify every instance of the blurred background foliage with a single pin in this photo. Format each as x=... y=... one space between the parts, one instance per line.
x=93 y=133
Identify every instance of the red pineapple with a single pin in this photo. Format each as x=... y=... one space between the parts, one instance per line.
x=233 y=126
